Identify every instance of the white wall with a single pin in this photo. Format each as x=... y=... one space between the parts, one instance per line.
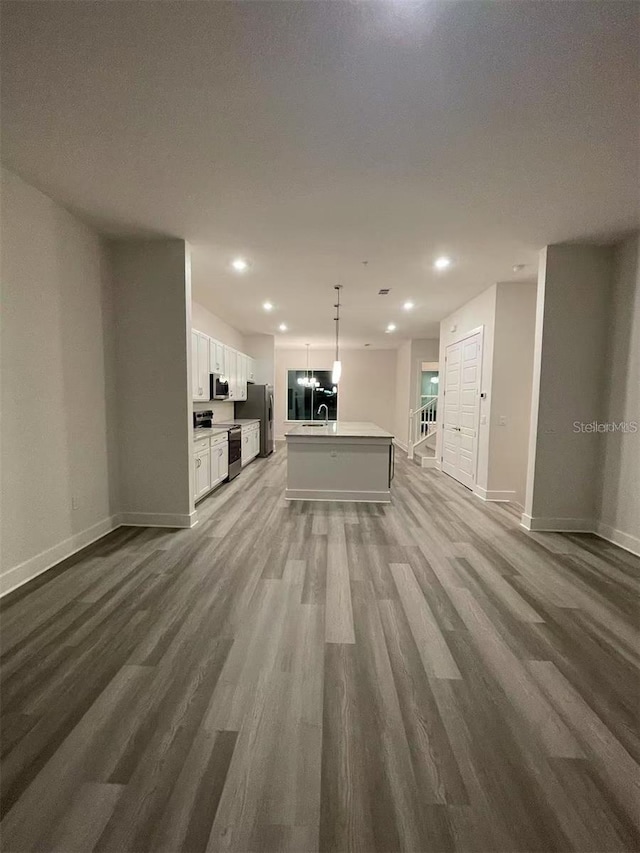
x=263 y=349
x=619 y=501
x=480 y=311
x=367 y=386
x=506 y=312
x=403 y=393
x=204 y=321
x=410 y=356
x=422 y=349
x=574 y=296
x=54 y=411
x=512 y=378
x=152 y=299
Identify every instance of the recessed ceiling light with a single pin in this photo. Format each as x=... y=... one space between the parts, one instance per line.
x=239 y=265
x=283 y=327
x=391 y=327
x=442 y=262
x=267 y=306
x=408 y=306
x=518 y=267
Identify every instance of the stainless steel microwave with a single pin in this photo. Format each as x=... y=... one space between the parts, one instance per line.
x=219 y=387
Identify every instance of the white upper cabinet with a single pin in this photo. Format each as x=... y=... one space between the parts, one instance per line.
x=216 y=357
x=195 y=389
x=242 y=376
x=199 y=366
x=231 y=357
x=210 y=356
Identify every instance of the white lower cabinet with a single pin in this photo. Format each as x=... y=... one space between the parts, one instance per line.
x=250 y=443
x=219 y=462
x=202 y=469
x=211 y=464
x=256 y=441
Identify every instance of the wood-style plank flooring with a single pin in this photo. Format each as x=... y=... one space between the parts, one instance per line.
x=424 y=676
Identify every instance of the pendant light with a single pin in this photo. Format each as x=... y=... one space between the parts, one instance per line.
x=337 y=364
x=308 y=380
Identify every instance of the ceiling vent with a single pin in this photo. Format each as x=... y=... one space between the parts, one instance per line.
x=384 y=291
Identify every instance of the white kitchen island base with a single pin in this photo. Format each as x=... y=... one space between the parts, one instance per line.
x=342 y=461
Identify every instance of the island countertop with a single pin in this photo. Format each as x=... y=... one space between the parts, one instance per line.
x=340 y=429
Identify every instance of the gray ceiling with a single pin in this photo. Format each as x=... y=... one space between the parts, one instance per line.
x=311 y=136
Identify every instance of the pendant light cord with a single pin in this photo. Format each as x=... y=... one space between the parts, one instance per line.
x=337 y=287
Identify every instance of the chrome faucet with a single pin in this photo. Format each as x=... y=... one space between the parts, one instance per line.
x=326 y=409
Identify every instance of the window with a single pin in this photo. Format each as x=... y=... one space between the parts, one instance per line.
x=303 y=399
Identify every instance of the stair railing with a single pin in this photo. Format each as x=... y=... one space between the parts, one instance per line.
x=422 y=423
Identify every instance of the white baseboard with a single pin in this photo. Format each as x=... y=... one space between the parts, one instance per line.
x=618 y=537
x=582 y=525
x=34 y=566
x=324 y=495
x=401 y=445
x=429 y=462
x=158 y=519
x=557 y=525
x=494 y=495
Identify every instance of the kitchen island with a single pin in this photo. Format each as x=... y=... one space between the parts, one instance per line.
x=339 y=461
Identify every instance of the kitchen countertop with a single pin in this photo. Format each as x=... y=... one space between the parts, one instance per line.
x=208 y=433
x=217 y=429
x=340 y=429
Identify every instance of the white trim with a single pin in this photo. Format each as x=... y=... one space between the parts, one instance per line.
x=34 y=566
x=581 y=525
x=618 y=537
x=158 y=519
x=326 y=495
x=558 y=525
x=429 y=462
x=494 y=494
x=401 y=444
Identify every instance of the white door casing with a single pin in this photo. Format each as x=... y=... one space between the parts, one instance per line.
x=462 y=380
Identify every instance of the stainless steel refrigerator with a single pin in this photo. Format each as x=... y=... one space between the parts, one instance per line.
x=259 y=404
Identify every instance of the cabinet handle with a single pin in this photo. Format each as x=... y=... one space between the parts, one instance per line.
x=198 y=462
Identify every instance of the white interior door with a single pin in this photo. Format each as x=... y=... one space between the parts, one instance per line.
x=463 y=364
